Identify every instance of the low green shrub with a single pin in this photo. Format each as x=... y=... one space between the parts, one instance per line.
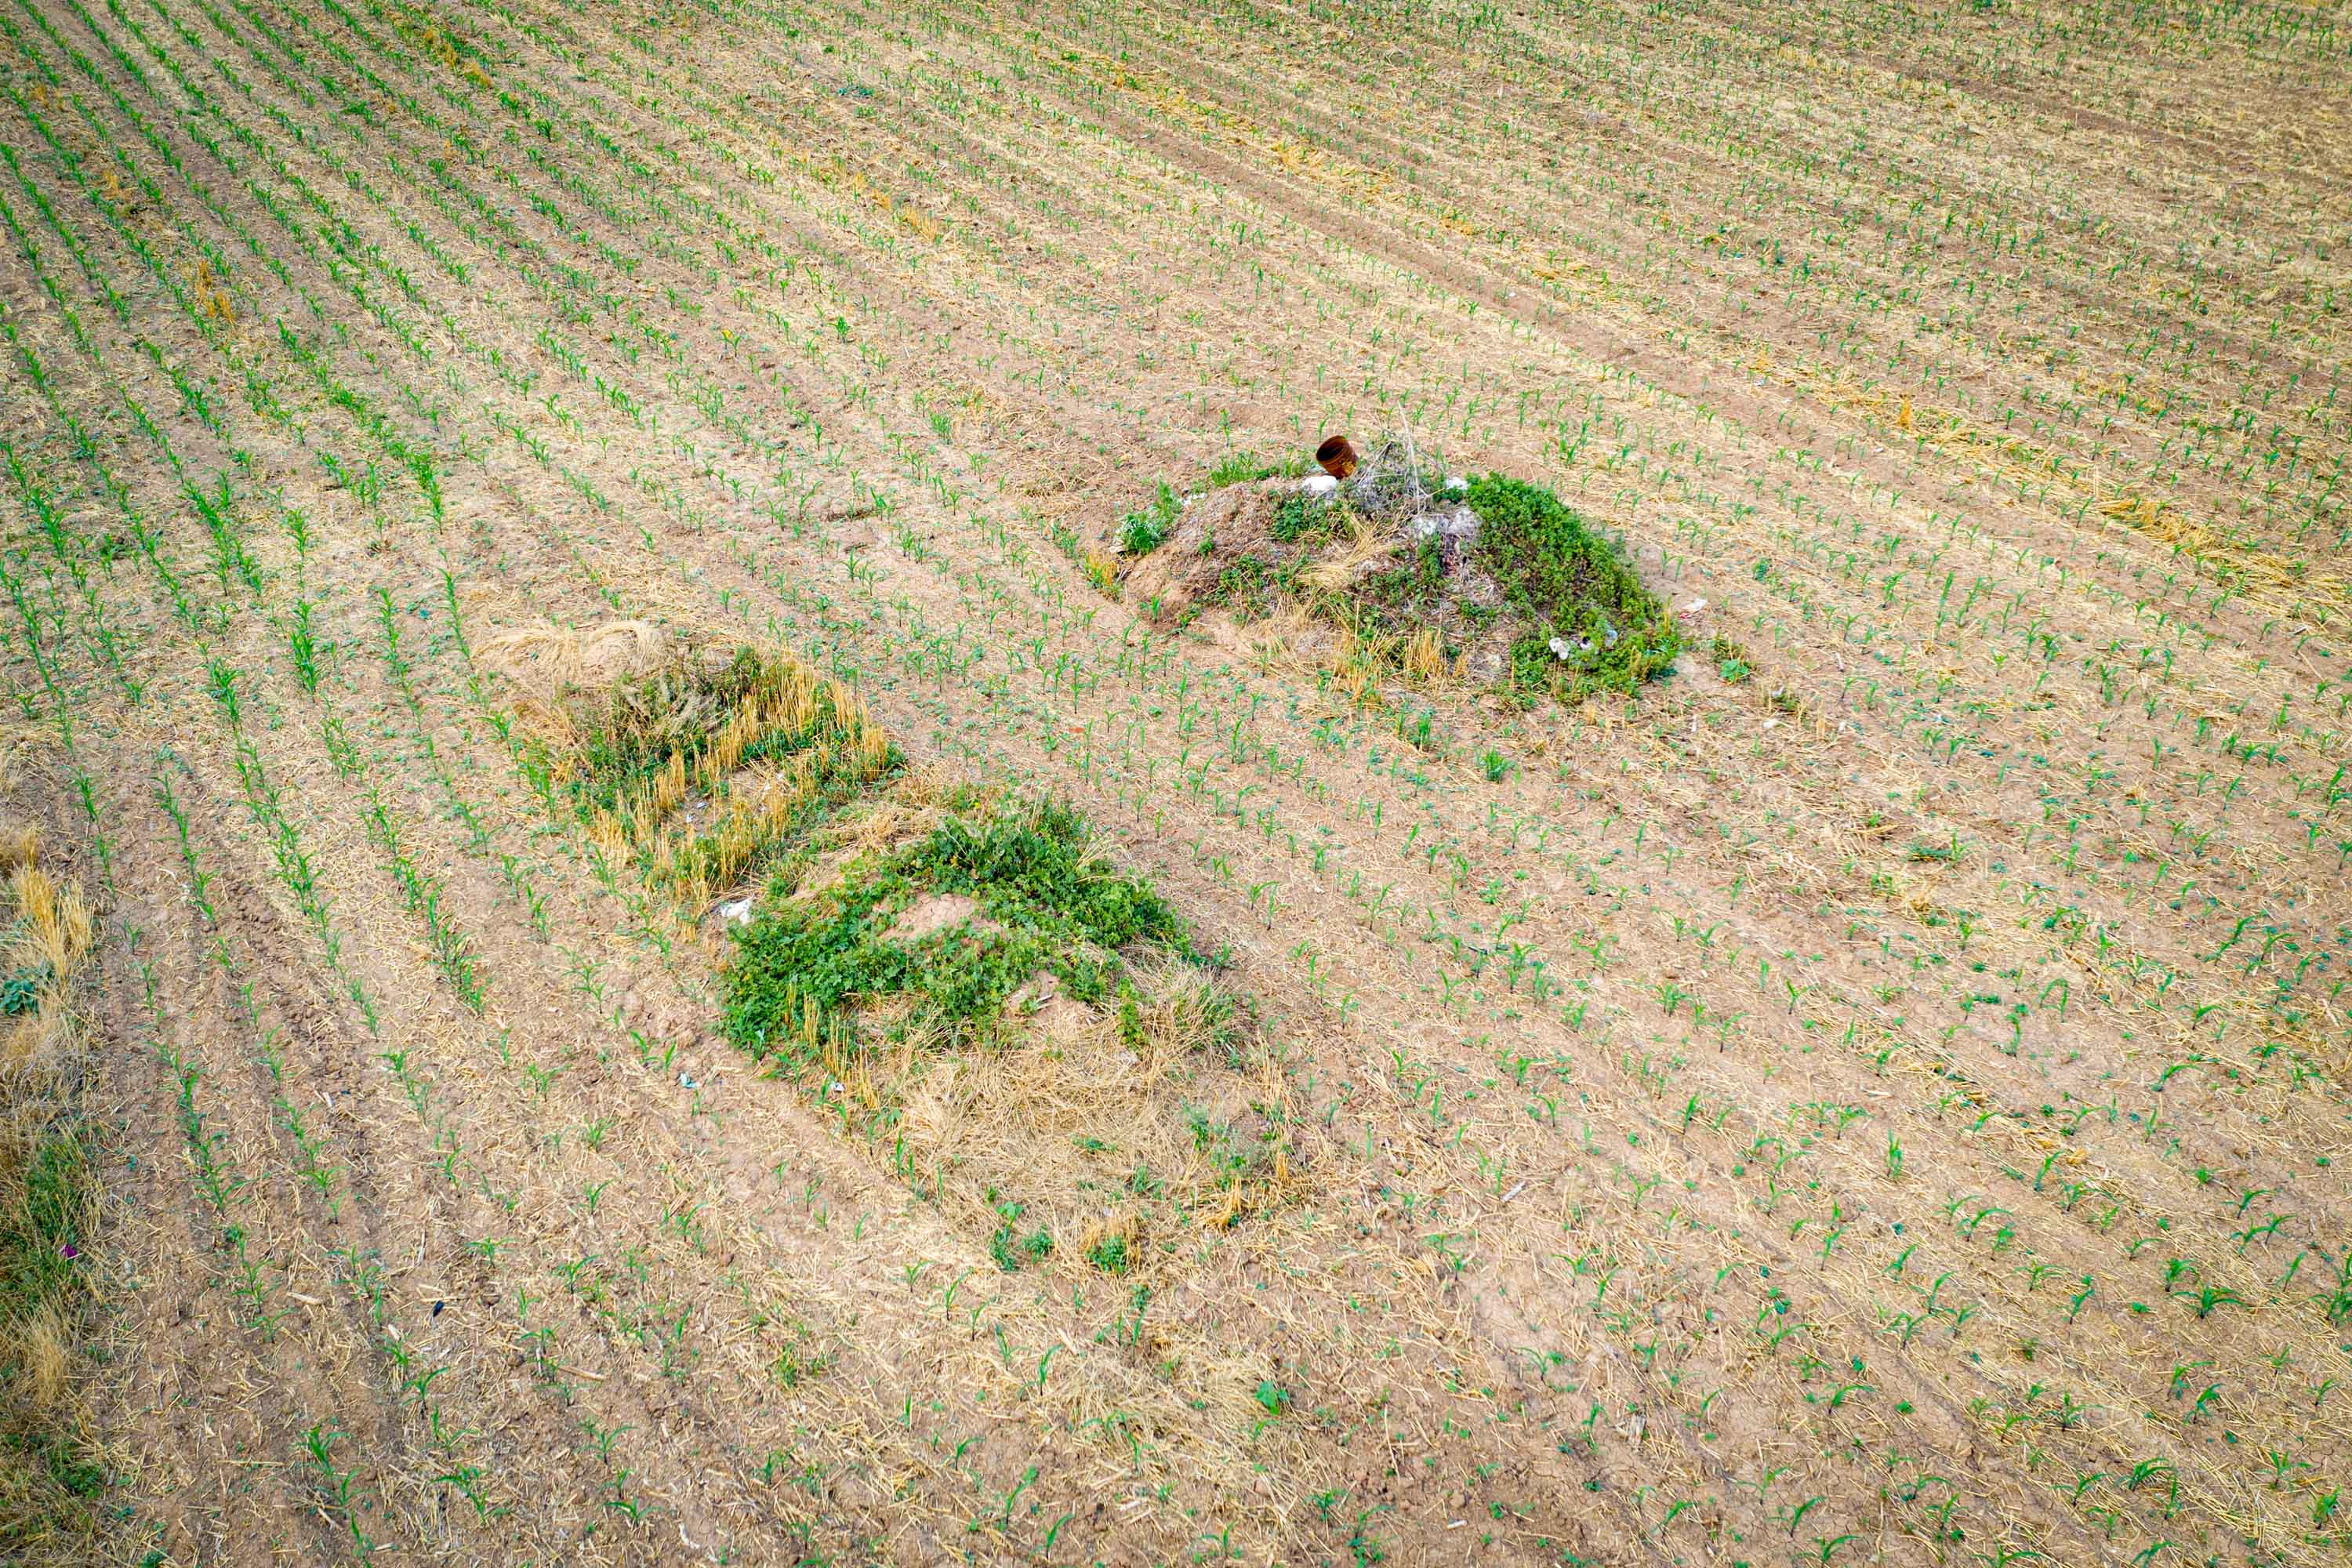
x=1573 y=588
x=1141 y=532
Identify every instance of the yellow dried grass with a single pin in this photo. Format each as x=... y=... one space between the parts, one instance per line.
x=2279 y=584
x=699 y=820
x=1424 y=655
x=547 y=659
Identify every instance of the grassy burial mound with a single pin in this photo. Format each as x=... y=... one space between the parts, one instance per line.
x=1019 y=1030
x=1398 y=568
x=693 y=762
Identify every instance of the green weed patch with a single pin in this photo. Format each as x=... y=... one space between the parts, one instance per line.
x=1042 y=904
x=1018 y=1027
x=1589 y=624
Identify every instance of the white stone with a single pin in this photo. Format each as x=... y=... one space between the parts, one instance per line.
x=1317 y=485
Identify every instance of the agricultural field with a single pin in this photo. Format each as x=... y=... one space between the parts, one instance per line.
x=657 y=913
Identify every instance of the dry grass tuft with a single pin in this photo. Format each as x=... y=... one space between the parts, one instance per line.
x=35 y=1044
x=19 y=848
x=35 y=1347
x=2282 y=585
x=560 y=658
x=548 y=663
x=58 y=925
x=1424 y=655
x=1364 y=552
x=47 y=1208
x=692 y=761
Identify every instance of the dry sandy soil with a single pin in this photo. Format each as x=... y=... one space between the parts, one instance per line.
x=1885 y=1104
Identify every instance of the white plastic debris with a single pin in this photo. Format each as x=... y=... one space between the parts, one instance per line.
x=1457 y=482
x=1317 y=485
x=687 y=1082
x=1694 y=606
x=740 y=912
x=1460 y=525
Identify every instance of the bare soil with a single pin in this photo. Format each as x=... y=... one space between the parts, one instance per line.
x=1883 y=1102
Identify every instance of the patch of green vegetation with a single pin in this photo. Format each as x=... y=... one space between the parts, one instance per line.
x=1572 y=588
x=1141 y=532
x=1731 y=661
x=1045 y=902
x=1406 y=594
x=1109 y=1255
x=1303 y=520
x=40 y=1226
x=1245 y=468
x=71 y=1474
x=1011 y=1249
x=1251 y=584
x=1226 y=1153
x=21 y=991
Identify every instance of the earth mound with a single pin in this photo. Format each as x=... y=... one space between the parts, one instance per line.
x=1492 y=578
